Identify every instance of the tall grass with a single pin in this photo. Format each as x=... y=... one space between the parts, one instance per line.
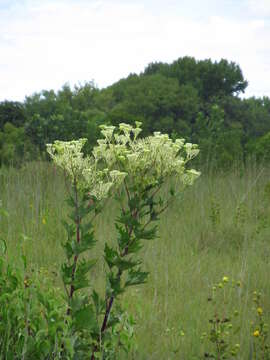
x=218 y=227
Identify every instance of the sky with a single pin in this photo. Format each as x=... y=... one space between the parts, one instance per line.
x=47 y=43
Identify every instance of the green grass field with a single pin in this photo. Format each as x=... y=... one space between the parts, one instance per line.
x=219 y=227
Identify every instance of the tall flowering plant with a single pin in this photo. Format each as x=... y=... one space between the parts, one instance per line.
x=133 y=170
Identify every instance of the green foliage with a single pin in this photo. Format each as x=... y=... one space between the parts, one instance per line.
x=183 y=262
x=222 y=340
x=261 y=147
x=223 y=326
x=64 y=115
x=212 y=79
x=194 y=99
x=15 y=146
x=260 y=348
x=12 y=112
x=221 y=143
x=33 y=320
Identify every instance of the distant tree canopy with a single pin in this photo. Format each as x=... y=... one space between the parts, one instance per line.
x=197 y=100
x=12 y=112
x=212 y=80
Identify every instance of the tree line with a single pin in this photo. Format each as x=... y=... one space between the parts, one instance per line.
x=196 y=100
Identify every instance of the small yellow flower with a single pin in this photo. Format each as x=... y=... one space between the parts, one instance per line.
x=225 y=279
x=44 y=221
x=259 y=311
x=256 y=333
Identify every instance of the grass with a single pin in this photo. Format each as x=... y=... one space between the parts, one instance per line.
x=218 y=227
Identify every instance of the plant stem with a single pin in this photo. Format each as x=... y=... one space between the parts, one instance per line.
x=78 y=239
x=112 y=297
x=106 y=317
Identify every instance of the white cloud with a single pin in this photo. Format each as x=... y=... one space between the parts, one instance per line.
x=259 y=7
x=44 y=44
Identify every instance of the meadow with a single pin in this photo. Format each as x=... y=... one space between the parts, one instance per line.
x=218 y=227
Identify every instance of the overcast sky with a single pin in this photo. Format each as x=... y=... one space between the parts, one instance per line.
x=46 y=43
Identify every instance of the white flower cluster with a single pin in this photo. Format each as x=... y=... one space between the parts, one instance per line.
x=99 y=182
x=121 y=154
x=84 y=171
x=68 y=156
x=147 y=161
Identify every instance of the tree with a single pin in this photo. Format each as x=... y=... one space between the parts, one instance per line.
x=12 y=112
x=211 y=79
x=15 y=146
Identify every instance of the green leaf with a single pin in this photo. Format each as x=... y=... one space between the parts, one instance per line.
x=77 y=302
x=98 y=302
x=127 y=219
x=123 y=237
x=86 y=243
x=84 y=266
x=73 y=216
x=43 y=300
x=136 y=277
x=114 y=284
x=80 y=280
x=113 y=320
x=85 y=319
x=134 y=203
x=123 y=264
x=83 y=210
x=68 y=249
x=66 y=271
x=13 y=281
x=135 y=246
x=146 y=234
x=71 y=202
x=110 y=256
x=86 y=227
x=44 y=348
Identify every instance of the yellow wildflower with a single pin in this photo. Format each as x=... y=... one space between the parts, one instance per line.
x=225 y=279
x=256 y=333
x=259 y=311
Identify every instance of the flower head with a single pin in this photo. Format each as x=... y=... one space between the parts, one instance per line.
x=256 y=333
x=260 y=311
x=86 y=171
x=147 y=161
x=68 y=155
